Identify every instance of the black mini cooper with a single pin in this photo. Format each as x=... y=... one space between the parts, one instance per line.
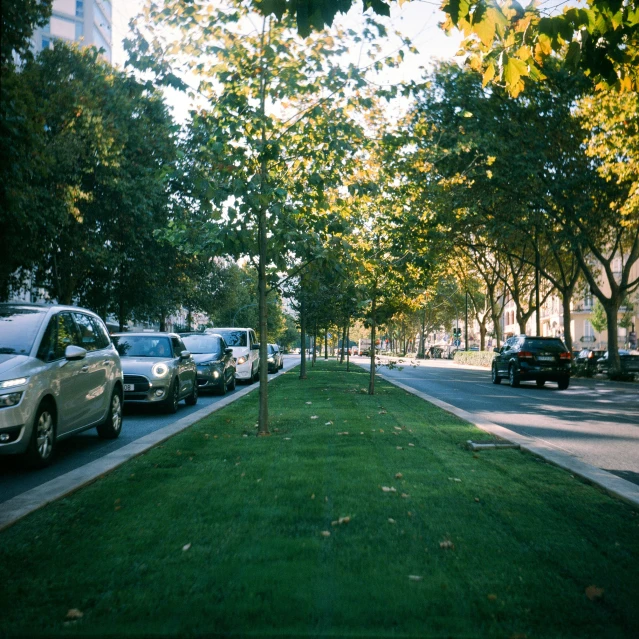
x=522 y=358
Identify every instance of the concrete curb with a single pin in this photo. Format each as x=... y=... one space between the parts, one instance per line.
x=22 y=505
x=612 y=484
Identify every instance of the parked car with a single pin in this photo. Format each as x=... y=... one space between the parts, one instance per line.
x=246 y=350
x=541 y=359
x=214 y=360
x=629 y=363
x=585 y=362
x=275 y=360
x=59 y=375
x=158 y=369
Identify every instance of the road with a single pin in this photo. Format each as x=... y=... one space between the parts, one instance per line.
x=86 y=447
x=594 y=420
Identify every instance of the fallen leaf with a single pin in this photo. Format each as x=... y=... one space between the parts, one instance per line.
x=454 y=479
x=398 y=476
x=409 y=513
x=405 y=496
x=400 y=448
x=382 y=412
x=314 y=416
x=380 y=430
x=186 y=547
x=477 y=499
x=391 y=520
x=411 y=445
x=492 y=597
x=340 y=521
x=593 y=593
x=313 y=496
x=259 y=480
x=447 y=544
x=325 y=533
x=288 y=439
x=309 y=403
x=74 y=613
x=389 y=489
x=328 y=424
x=415 y=577
x=397 y=428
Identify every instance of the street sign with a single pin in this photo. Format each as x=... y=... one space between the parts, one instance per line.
x=457 y=342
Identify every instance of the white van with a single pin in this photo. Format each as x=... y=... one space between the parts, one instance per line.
x=246 y=351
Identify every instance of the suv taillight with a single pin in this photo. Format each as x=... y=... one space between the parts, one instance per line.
x=524 y=355
x=565 y=356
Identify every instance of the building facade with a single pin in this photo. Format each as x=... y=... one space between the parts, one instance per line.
x=88 y=22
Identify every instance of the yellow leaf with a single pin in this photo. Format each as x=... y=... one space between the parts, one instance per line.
x=489 y=74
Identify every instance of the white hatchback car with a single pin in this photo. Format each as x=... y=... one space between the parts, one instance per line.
x=59 y=374
x=246 y=351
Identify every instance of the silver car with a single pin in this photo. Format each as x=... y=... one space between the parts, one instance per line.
x=59 y=375
x=158 y=369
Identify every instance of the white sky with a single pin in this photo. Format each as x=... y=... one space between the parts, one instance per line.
x=416 y=19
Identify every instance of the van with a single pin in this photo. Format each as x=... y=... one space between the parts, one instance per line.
x=246 y=351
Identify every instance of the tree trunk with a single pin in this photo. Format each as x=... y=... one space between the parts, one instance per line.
x=162 y=323
x=326 y=343
x=303 y=338
x=348 y=352
x=565 y=303
x=314 y=358
x=482 y=335
x=341 y=359
x=262 y=247
x=614 y=370
x=371 y=382
x=422 y=336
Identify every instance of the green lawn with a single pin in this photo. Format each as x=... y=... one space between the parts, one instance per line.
x=221 y=532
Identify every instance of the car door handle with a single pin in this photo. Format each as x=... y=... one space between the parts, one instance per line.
x=107 y=362
x=85 y=369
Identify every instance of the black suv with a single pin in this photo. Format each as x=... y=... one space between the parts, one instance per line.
x=521 y=358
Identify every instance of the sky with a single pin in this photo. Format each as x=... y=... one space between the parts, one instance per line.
x=416 y=19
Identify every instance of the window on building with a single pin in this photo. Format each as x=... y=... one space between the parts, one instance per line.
x=46 y=42
x=589 y=331
x=588 y=300
x=79 y=8
x=79 y=30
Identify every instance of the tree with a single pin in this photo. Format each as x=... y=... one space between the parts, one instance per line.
x=274 y=142
x=18 y=20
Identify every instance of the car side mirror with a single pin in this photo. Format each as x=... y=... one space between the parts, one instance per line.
x=185 y=354
x=256 y=346
x=496 y=350
x=228 y=351
x=73 y=353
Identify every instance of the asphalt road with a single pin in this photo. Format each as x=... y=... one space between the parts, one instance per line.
x=594 y=420
x=86 y=447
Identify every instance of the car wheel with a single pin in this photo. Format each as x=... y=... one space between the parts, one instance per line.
x=42 y=443
x=493 y=373
x=111 y=427
x=172 y=401
x=191 y=400
x=224 y=387
x=540 y=383
x=513 y=377
x=563 y=384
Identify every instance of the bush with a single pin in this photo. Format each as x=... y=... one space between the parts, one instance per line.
x=474 y=358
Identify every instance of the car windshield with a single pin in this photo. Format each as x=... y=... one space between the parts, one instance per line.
x=271 y=349
x=549 y=345
x=198 y=344
x=19 y=326
x=142 y=345
x=234 y=338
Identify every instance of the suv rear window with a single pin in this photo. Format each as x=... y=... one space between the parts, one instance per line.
x=550 y=345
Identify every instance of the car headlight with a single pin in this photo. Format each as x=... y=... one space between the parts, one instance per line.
x=10 y=400
x=11 y=383
x=160 y=370
x=241 y=360
x=271 y=359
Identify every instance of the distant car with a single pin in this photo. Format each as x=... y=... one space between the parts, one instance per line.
x=275 y=360
x=214 y=360
x=585 y=362
x=246 y=350
x=629 y=363
x=158 y=369
x=541 y=359
x=59 y=375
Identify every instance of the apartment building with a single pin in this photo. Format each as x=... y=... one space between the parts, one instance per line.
x=581 y=308
x=85 y=21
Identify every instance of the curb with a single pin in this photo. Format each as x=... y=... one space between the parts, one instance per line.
x=612 y=484
x=24 y=504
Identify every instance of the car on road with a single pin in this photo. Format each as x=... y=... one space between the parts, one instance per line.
x=275 y=359
x=158 y=369
x=523 y=358
x=585 y=362
x=246 y=350
x=214 y=360
x=59 y=374
x=629 y=363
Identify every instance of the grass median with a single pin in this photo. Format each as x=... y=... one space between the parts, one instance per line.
x=359 y=516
